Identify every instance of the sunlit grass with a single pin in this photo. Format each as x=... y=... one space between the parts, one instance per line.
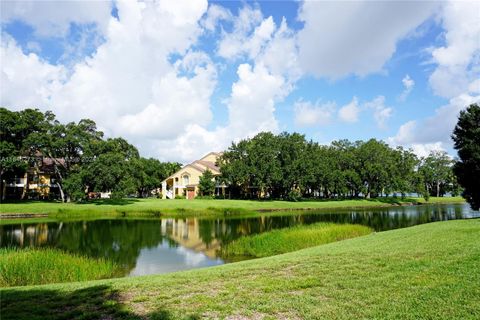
x=292 y=239
x=31 y=266
x=197 y=207
x=430 y=271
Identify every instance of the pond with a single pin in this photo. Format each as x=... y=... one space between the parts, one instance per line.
x=151 y=246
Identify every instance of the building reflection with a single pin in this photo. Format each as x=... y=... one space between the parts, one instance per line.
x=122 y=240
x=186 y=233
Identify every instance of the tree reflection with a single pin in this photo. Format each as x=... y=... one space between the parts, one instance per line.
x=122 y=240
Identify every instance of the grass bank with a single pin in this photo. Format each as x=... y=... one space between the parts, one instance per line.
x=40 y=266
x=198 y=207
x=430 y=271
x=292 y=239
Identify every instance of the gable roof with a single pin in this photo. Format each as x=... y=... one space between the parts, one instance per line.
x=217 y=154
x=197 y=165
x=210 y=165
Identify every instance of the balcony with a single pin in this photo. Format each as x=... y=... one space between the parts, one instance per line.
x=17 y=182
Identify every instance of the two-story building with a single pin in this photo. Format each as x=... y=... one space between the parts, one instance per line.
x=185 y=181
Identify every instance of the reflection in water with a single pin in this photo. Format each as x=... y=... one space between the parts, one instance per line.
x=165 y=245
x=162 y=259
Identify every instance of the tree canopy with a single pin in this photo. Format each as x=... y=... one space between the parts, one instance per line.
x=82 y=160
x=287 y=166
x=206 y=184
x=466 y=136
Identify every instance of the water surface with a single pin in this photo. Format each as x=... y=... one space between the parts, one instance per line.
x=164 y=245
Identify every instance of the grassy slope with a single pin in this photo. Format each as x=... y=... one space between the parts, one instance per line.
x=196 y=207
x=427 y=271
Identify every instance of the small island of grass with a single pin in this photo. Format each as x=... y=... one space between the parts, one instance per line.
x=292 y=239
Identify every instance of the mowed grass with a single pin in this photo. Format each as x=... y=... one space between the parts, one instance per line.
x=430 y=271
x=292 y=239
x=20 y=267
x=195 y=207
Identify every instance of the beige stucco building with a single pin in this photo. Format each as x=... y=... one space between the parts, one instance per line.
x=185 y=181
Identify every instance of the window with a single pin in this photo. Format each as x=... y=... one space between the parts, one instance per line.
x=186 y=180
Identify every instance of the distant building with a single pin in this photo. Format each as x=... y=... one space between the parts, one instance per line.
x=35 y=183
x=185 y=181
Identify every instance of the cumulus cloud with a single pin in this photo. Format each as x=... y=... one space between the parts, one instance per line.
x=249 y=32
x=455 y=77
x=350 y=111
x=214 y=15
x=458 y=60
x=252 y=102
x=381 y=112
x=27 y=80
x=406 y=136
x=132 y=87
x=129 y=86
x=54 y=18
x=436 y=128
x=344 y=37
x=408 y=85
x=308 y=114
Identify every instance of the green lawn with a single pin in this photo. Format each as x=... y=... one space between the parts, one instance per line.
x=196 y=207
x=430 y=271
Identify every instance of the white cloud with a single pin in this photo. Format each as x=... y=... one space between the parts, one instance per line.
x=263 y=42
x=249 y=29
x=252 y=102
x=381 y=112
x=215 y=14
x=26 y=80
x=455 y=77
x=350 y=111
x=408 y=85
x=128 y=86
x=280 y=54
x=54 y=18
x=345 y=37
x=406 y=137
x=261 y=83
x=458 y=60
x=308 y=114
x=423 y=150
x=434 y=130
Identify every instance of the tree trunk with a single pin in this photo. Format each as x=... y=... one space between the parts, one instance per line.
x=438 y=189
x=62 y=195
x=25 y=187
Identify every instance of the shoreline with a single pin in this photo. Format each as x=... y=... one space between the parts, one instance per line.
x=200 y=208
x=372 y=267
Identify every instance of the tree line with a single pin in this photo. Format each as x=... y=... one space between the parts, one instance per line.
x=287 y=166
x=81 y=159
x=283 y=166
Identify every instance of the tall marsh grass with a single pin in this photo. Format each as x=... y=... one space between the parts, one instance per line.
x=292 y=239
x=32 y=266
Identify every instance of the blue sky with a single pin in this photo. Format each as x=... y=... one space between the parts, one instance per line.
x=179 y=79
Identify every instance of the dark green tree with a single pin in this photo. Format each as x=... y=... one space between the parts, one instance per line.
x=152 y=172
x=206 y=185
x=15 y=128
x=466 y=136
x=436 y=170
x=114 y=167
x=376 y=165
x=66 y=145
